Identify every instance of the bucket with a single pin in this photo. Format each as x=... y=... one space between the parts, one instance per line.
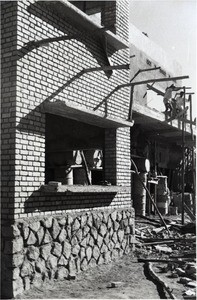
x=139 y=194
x=164 y=198
x=163 y=207
x=68 y=179
x=162 y=187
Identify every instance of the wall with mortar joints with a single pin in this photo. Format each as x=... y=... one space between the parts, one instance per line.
x=68 y=54
x=60 y=247
x=122 y=20
x=8 y=106
x=8 y=112
x=123 y=157
x=40 y=72
x=39 y=203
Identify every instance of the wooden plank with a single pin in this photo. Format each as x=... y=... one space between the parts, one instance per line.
x=167 y=260
x=190 y=122
x=150 y=87
x=107 y=68
x=85 y=167
x=158 y=243
x=189 y=212
x=155 y=277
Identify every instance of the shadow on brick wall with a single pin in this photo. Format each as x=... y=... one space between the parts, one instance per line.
x=41 y=201
x=96 y=47
x=34 y=122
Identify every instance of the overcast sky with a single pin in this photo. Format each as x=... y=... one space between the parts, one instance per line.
x=172 y=25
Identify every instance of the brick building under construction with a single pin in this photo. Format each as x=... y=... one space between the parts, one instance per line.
x=70 y=126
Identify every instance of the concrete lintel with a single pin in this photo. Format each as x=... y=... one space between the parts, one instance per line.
x=84 y=189
x=82 y=114
x=155 y=119
x=81 y=20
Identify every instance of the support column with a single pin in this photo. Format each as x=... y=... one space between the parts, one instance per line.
x=117 y=156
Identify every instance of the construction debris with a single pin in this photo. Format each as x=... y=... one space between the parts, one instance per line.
x=174 y=257
x=116 y=284
x=189 y=294
x=163 y=249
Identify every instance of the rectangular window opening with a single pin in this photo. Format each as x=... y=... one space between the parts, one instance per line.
x=74 y=152
x=92 y=8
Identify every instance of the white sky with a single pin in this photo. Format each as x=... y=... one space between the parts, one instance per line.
x=172 y=24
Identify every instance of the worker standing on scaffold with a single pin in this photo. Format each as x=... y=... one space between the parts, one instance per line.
x=167 y=100
x=179 y=102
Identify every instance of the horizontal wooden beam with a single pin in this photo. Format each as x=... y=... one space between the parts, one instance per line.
x=152 y=80
x=190 y=122
x=107 y=68
x=150 y=87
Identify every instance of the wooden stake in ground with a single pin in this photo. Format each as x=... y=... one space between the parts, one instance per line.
x=164 y=285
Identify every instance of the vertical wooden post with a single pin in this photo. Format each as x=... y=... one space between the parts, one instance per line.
x=192 y=157
x=131 y=103
x=183 y=159
x=148 y=201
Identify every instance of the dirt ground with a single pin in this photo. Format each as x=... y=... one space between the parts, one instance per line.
x=132 y=279
x=95 y=283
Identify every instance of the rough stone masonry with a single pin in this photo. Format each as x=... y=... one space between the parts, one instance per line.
x=61 y=246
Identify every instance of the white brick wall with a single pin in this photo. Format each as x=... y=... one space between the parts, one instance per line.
x=46 y=73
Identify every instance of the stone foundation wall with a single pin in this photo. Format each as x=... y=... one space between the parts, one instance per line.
x=59 y=247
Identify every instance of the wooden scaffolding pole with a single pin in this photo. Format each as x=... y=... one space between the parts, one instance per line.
x=183 y=161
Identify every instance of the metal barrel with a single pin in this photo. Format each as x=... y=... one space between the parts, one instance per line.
x=139 y=194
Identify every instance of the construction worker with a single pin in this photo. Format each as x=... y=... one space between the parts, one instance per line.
x=167 y=100
x=179 y=102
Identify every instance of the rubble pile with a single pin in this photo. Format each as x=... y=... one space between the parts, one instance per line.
x=171 y=257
